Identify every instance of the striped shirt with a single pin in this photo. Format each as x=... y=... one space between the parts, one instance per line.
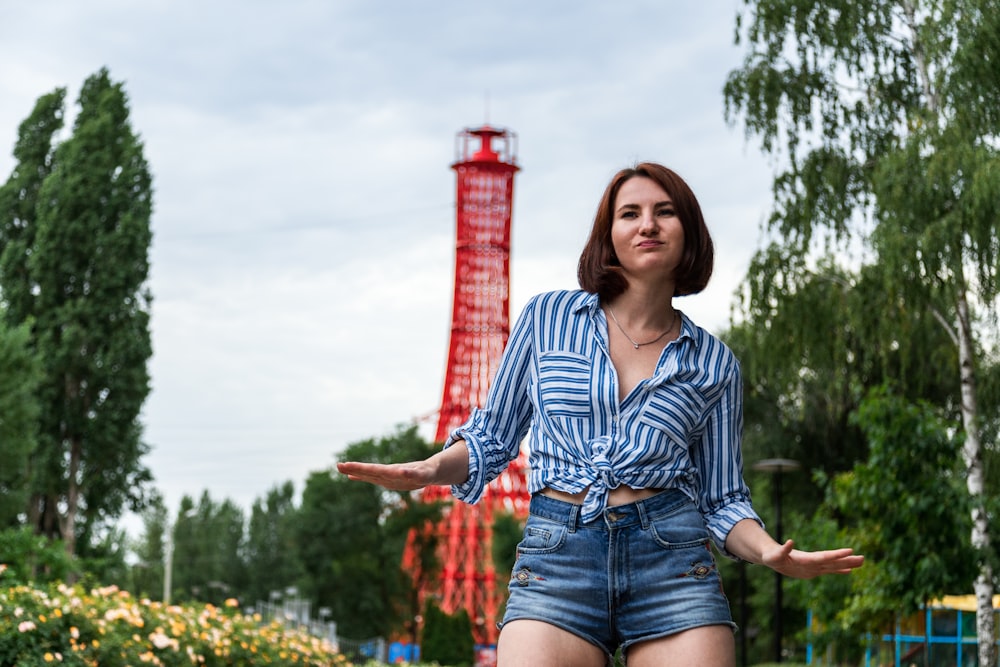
x=680 y=428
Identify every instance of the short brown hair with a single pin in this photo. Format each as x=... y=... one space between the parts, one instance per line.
x=599 y=271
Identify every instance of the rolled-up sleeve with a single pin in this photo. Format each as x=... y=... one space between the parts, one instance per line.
x=724 y=497
x=493 y=433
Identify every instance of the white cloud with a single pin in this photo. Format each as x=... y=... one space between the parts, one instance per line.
x=303 y=221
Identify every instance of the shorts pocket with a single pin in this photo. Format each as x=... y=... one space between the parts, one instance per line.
x=681 y=528
x=541 y=536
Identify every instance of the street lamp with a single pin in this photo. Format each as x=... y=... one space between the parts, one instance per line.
x=168 y=554
x=777 y=467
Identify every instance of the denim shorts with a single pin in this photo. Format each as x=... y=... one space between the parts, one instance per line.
x=641 y=571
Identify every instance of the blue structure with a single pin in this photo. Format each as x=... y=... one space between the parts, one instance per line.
x=943 y=634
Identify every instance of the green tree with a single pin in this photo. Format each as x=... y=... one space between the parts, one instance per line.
x=19 y=197
x=902 y=501
x=19 y=376
x=884 y=114
x=342 y=554
x=352 y=537
x=32 y=559
x=150 y=551
x=74 y=267
x=447 y=638
x=208 y=544
x=272 y=553
x=808 y=361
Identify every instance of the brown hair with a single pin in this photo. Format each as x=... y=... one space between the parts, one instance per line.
x=599 y=271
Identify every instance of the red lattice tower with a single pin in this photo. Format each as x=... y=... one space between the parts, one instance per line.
x=480 y=325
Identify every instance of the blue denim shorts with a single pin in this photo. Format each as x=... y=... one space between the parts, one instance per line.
x=641 y=571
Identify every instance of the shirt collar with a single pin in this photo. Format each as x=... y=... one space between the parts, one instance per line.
x=589 y=302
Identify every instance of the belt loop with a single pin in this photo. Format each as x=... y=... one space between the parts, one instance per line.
x=643 y=513
x=574 y=517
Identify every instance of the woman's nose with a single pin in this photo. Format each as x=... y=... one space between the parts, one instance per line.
x=647 y=224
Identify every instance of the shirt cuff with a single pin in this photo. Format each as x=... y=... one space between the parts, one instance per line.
x=473 y=488
x=725 y=518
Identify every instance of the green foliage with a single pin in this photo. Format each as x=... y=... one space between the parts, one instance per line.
x=352 y=537
x=33 y=152
x=75 y=235
x=19 y=407
x=108 y=627
x=447 y=638
x=880 y=113
x=507 y=533
x=907 y=510
x=208 y=544
x=272 y=551
x=105 y=558
x=879 y=106
x=146 y=576
x=26 y=557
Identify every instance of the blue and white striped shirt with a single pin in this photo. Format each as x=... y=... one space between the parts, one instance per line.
x=681 y=428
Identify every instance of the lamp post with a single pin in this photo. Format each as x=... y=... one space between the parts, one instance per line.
x=777 y=467
x=168 y=554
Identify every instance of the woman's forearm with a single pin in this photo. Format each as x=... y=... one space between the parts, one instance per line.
x=749 y=542
x=451 y=464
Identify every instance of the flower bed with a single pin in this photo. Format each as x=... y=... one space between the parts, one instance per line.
x=107 y=627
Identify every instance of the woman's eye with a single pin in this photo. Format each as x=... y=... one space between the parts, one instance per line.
x=667 y=212
x=628 y=214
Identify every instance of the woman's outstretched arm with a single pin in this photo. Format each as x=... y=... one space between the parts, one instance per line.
x=445 y=468
x=749 y=541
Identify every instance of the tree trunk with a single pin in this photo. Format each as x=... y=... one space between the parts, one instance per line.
x=68 y=522
x=972 y=453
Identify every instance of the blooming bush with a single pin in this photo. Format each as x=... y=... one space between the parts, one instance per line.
x=107 y=627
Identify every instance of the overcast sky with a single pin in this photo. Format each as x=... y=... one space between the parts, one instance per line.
x=303 y=248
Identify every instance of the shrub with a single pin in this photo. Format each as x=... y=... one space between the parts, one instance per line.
x=447 y=639
x=107 y=627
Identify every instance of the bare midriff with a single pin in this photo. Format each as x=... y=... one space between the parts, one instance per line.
x=623 y=495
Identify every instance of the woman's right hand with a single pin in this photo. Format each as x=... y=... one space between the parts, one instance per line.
x=446 y=467
x=394 y=476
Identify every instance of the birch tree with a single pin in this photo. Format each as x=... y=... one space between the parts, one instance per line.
x=884 y=118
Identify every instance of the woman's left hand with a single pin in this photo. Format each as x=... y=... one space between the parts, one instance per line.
x=791 y=562
x=747 y=540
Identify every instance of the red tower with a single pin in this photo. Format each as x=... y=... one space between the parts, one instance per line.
x=485 y=166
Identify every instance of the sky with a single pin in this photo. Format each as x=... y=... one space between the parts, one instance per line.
x=303 y=226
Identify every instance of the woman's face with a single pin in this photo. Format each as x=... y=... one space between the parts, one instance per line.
x=647 y=235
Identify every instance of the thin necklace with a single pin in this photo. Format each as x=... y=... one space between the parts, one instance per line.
x=636 y=345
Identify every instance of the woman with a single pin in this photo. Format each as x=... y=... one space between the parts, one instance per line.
x=635 y=420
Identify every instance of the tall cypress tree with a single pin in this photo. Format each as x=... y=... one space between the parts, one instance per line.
x=75 y=265
x=18 y=419
x=19 y=371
